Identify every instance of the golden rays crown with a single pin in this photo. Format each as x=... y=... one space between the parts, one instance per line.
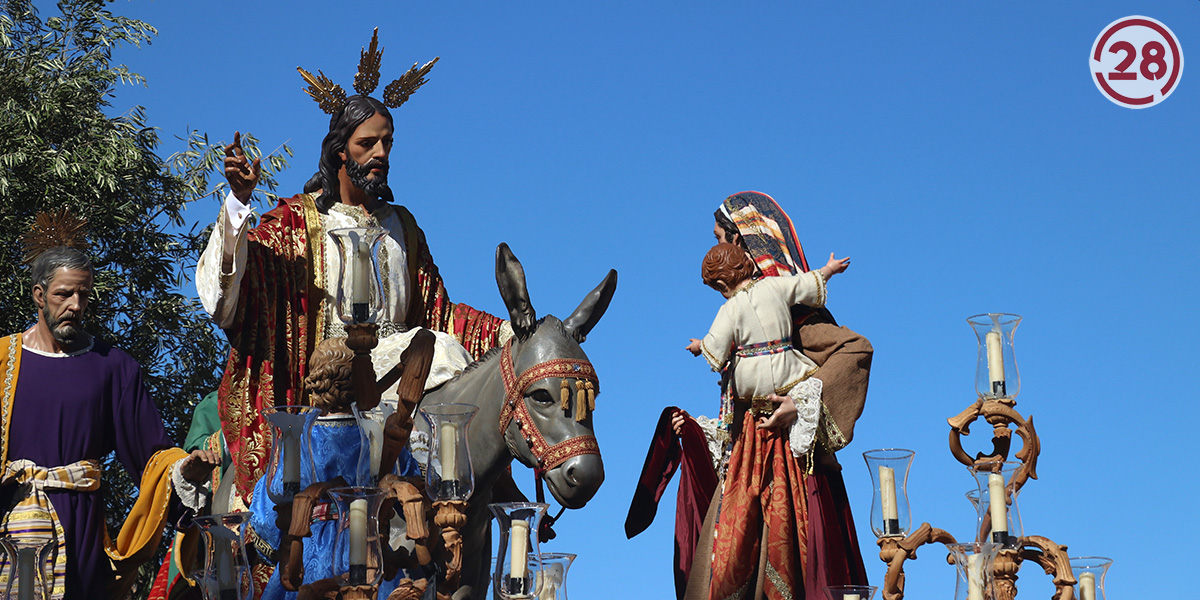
x=331 y=97
x=53 y=229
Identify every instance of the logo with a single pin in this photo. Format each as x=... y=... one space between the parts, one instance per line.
x=1136 y=62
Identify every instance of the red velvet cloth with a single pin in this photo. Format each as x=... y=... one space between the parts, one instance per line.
x=697 y=483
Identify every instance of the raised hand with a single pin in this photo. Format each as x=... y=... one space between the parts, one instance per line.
x=241 y=173
x=835 y=266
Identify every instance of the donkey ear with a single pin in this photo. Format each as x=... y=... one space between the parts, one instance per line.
x=581 y=322
x=510 y=278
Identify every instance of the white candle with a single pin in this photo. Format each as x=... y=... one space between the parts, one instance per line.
x=358 y=532
x=361 y=271
x=1087 y=586
x=995 y=358
x=887 y=493
x=518 y=545
x=996 y=503
x=448 y=451
x=291 y=459
x=223 y=555
x=26 y=560
x=851 y=597
x=974 y=578
x=374 y=431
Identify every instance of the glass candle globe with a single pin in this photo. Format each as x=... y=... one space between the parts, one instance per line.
x=996 y=373
x=359 y=292
x=518 y=557
x=890 y=514
x=291 y=465
x=26 y=566
x=227 y=572
x=358 y=551
x=973 y=561
x=1089 y=574
x=999 y=518
x=448 y=472
x=850 y=592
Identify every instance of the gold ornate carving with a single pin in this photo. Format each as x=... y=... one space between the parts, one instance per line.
x=367 y=76
x=398 y=91
x=895 y=550
x=331 y=97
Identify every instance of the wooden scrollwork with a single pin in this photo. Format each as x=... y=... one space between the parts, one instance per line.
x=1053 y=559
x=1000 y=415
x=894 y=551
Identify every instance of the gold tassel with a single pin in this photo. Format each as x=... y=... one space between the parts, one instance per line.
x=591 y=391
x=581 y=406
x=565 y=392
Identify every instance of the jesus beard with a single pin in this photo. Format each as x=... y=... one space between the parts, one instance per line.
x=359 y=173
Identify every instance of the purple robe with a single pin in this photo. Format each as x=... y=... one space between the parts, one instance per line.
x=72 y=408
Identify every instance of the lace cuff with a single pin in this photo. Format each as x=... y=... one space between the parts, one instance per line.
x=806 y=395
x=716 y=437
x=193 y=496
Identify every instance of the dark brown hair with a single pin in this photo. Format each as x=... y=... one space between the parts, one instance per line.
x=329 y=382
x=726 y=263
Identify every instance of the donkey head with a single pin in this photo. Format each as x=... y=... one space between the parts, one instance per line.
x=553 y=386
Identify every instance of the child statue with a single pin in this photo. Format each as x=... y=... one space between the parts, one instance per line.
x=751 y=339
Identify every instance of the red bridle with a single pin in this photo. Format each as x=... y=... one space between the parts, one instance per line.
x=514 y=407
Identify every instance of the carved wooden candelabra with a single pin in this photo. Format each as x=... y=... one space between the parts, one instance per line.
x=997 y=385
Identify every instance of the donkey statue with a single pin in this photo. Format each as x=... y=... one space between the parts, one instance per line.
x=524 y=392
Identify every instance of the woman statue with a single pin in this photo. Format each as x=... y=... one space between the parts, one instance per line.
x=779 y=525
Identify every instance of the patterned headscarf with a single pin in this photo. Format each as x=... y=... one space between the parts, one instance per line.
x=767 y=232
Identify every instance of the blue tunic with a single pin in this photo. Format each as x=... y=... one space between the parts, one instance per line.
x=336 y=443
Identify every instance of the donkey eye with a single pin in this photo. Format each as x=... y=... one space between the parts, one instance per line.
x=541 y=396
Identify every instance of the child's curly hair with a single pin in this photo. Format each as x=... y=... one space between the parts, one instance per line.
x=329 y=381
x=726 y=265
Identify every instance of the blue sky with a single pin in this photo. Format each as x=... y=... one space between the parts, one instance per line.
x=958 y=152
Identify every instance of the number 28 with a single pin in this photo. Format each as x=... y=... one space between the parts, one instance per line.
x=1153 y=54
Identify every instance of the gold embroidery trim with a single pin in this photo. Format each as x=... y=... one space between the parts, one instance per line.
x=316 y=260
x=10 y=356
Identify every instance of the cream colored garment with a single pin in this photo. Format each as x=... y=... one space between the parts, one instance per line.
x=758 y=313
x=228 y=243
x=761 y=312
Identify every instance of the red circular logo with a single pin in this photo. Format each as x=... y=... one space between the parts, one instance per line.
x=1136 y=62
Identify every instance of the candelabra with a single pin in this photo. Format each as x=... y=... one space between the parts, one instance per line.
x=987 y=567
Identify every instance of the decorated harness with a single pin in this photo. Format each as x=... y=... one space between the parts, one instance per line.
x=515 y=409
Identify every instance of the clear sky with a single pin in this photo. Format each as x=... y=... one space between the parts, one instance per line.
x=959 y=152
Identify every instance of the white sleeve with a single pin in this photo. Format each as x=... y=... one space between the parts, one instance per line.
x=717 y=342
x=806 y=288
x=223 y=263
x=193 y=495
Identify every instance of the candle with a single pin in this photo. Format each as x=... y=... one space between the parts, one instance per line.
x=223 y=556
x=997 y=506
x=374 y=431
x=358 y=533
x=448 y=451
x=995 y=359
x=291 y=458
x=1087 y=586
x=851 y=597
x=974 y=578
x=518 y=545
x=361 y=271
x=26 y=557
x=887 y=492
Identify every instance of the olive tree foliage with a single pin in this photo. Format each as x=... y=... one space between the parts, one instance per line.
x=63 y=145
